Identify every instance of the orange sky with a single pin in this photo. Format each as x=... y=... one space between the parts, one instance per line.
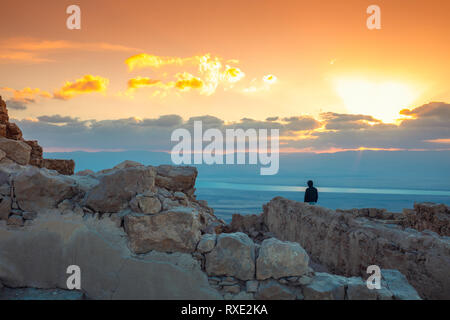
x=320 y=55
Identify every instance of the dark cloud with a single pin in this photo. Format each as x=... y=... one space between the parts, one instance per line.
x=57 y=119
x=301 y=123
x=272 y=118
x=342 y=131
x=341 y=121
x=16 y=105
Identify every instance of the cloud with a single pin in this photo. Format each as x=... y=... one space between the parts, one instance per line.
x=339 y=121
x=142 y=82
x=145 y=60
x=31 y=49
x=27 y=95
x=187 y=81
x=16 y=105
x=204 y=72
x=297 y=133
x=86 y=84
x=57 y=119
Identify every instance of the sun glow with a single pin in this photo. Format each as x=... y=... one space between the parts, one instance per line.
x=382 y=100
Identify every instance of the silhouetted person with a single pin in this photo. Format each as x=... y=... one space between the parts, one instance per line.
x=311 y=194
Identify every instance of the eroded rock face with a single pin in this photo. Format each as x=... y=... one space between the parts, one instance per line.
x=66 y=167
x=175 y=230
x=116 y=188
x=347 y=245
x=38 y=256
x=273 y=290
x=36 y=189
x=176 y=178
x=233 y=255
x=278 y=259
x=428 y=216
x=17 y=151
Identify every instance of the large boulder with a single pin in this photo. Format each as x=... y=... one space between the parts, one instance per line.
x=37 y=189
x=233 y=255
x=38 y=256
x=175 y=230
x=17 y=151
x=278 y=259
x=357 y=290
x=146 y=203
x=117 y=187
x=176 y=178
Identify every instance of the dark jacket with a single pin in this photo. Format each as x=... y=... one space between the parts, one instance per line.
x=311 y=195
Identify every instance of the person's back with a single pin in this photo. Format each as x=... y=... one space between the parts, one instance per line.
x=311 y=194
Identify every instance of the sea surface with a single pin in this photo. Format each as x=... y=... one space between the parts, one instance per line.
x=229 y=198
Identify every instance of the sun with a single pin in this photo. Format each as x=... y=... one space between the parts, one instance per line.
x=382 y=100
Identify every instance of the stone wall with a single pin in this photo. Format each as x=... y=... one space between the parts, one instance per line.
x=347 y=244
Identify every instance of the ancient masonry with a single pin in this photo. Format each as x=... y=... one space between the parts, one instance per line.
x=26 y=151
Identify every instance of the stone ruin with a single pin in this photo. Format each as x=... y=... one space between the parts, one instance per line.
x=14 y=147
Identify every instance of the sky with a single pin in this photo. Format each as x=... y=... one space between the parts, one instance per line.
x=137 y=70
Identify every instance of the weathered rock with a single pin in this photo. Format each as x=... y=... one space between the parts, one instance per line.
x=206 y=243
x=396 y=282
x=15 y=220
x=232 y=288
x=176 y=178
x=272 y=290
x=17 y=151
x=36 y=189
x=118 y=187
x=278 y=259
x=128 y=164
x=233 y=255
x=357 y=290
x=325 y=287
x=147 y=204
x=428 y=216
x=84 y=173
x=346 y=244
x=66 y=167
x=5 y=207
x=170 y=231
x=36 y=153
x=252 y=286
x=13 y=131
x=37 y=256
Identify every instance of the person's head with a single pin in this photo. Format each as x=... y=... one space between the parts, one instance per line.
x=310 y=183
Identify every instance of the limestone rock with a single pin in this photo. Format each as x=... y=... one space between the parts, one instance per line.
x=347 y=244
x=206 y=243
x=36 y=189
x=118 y=187
x=147 y=204
x=38 y=257
x=17 y=151
x=396 y=282
x=357 y=290
x=5 y=207
x=233 y=255
x=13 y=131
x=66 y=167
x=128 y=164
x=176 y=178
x=252 y=286
x=170 y=231
x=325 y=287
x=272 y=290
x=278 y=259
